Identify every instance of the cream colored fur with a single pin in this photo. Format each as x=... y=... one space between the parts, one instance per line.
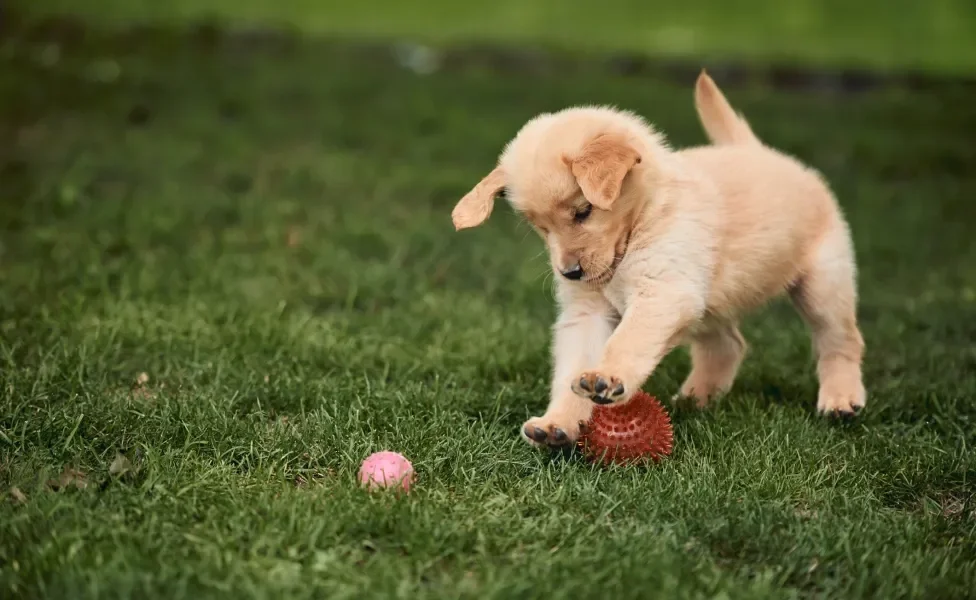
x=675 y=247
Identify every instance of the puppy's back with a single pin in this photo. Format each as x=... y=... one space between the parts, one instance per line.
x=771 y=211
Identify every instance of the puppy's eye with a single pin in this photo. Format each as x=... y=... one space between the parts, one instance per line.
x=582 y=212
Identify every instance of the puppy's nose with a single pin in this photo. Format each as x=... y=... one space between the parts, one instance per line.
x=574 y=272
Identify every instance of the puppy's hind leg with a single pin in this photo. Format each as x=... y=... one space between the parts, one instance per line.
x=716 y=354
x=826 y=296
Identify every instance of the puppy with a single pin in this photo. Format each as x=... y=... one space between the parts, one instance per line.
x=655 y=248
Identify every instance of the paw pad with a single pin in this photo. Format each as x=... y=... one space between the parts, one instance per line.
x=599 y=388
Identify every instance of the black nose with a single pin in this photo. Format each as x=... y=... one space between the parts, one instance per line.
x=574 y=272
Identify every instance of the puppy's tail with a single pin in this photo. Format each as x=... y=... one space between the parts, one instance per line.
x=722 y=124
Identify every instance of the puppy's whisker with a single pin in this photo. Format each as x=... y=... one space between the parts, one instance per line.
x=545 y=269
x=549 y=285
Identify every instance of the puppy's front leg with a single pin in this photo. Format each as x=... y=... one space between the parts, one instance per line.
x=581 y=331
x=651 y=326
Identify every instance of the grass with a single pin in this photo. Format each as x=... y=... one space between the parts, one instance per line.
x=934 y=35
x=228 y=273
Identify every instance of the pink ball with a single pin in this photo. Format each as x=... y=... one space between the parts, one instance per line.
x=386 y=469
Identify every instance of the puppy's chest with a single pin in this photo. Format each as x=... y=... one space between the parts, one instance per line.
x=616 y=294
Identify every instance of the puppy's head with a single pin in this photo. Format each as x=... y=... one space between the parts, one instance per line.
x=577 y=178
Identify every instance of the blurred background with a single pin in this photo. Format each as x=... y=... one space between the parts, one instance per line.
x=930 y=35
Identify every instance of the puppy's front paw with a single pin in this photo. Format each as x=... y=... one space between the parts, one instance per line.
x=599 y=387
x=545 y=431
x=562 y=424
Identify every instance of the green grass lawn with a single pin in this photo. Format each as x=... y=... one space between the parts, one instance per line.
x=264 y=232
x=934 y=35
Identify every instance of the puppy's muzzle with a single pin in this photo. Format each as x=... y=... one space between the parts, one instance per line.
x=574 y=273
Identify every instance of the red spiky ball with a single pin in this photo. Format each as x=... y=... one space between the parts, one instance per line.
x=627 y=433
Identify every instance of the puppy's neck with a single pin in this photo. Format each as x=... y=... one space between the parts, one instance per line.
x=652 y=205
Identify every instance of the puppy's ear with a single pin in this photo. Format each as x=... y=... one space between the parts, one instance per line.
x=601 y=167
x=475 y=207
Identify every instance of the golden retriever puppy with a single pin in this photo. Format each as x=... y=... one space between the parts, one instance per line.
x=655 y=248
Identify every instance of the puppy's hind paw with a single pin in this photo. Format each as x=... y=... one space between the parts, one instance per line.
x=841 y=401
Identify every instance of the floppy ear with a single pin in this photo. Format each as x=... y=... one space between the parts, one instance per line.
x=474 y=208
x=601 y=167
